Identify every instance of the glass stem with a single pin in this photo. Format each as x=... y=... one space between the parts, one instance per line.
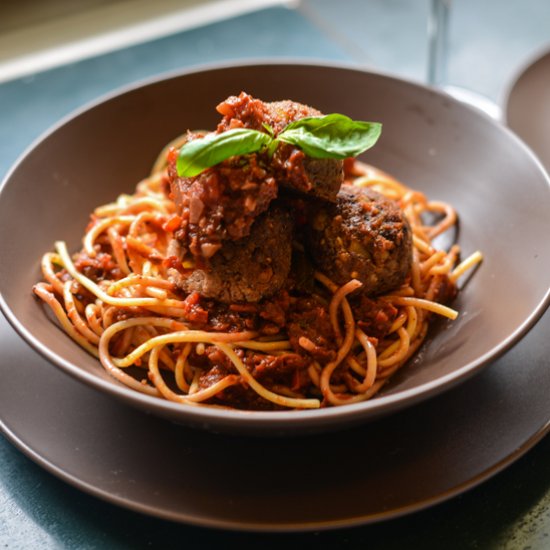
x=438 y=36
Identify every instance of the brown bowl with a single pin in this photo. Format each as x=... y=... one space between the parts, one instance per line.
x=527 y=104
x=430 y=141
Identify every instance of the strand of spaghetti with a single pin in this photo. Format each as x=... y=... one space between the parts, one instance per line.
x=145 y=196
x=142 y=248
x=412 y=322
x=179 y=334
x=118 y=374
x=445 y=266
x=291 y=402
x=421 y=303
x=99 y=227
x=117 y=246
x=141 y=204
x=416 y=208
x=326 y=281
x=92 y=318
x=194 y=387
x=179 y=371
x=118 y=326
x=385 y=374
x=167 y=311
x=265 y=346
x=434 y=259
x=165 y=355
x=136 y=261
x=135 y=279
x=373 y=175
x=61 y=248
x=346 y=309
x=129 y=337
x=415 y=199
x=110 y=209
x=422 y=245
x=404 y=342
x=349 y=325
x=48 y=260
x=109 y=312
x=195 y=398
x=133 y=242
x=339 y=388
x=399 y=322
x=467 y=264
x=146 y=269
x=372 y=362
x=411 y=316
x=155 y=292
x=133 y=337
x=74 y=316
x=448 y=221
x=50 y=299
x=153 y=270
x=143 y=217
x=286 y=391
x=349 y=399
x=365 y=395
x=405 y=290
x=337 y=299
x=389 y=190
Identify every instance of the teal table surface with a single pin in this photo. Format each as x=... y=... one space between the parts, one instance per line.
x=488 y=41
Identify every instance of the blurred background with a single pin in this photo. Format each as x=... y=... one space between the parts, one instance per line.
x=488 y=39
x=56 y=55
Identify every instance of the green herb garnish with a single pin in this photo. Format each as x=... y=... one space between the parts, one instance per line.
x=332 y=136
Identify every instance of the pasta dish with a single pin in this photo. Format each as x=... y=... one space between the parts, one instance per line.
x=259 y=266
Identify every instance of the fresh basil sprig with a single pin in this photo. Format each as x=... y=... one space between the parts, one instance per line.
x=197 y=155
x=333 y=136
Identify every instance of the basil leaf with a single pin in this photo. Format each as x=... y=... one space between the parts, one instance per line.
x=199 y=154
x=331 y=136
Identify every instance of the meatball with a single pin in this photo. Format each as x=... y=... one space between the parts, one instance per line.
x=245 y=111
x=292 y=168
x=221 y=203
x=363 y=236
x=248 y=269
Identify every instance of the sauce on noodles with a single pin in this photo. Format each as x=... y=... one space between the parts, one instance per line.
x=313 y=342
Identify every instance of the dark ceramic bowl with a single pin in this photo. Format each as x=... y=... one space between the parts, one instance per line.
x=430 y=141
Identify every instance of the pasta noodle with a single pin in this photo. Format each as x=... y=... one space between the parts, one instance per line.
x=136 y=319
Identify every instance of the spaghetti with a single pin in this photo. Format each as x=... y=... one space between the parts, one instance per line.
x=116 y=300
x=165 y=294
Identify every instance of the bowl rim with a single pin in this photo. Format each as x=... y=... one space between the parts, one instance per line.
x=286 y=419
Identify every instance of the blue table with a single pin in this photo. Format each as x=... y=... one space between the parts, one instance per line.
x=487 y=43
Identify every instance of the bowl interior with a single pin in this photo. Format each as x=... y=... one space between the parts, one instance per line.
x=430 y=142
